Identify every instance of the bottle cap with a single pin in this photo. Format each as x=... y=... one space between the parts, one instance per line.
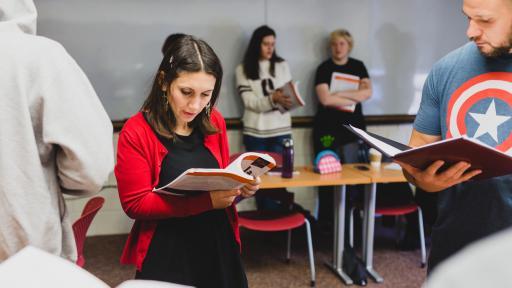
x=288 y=142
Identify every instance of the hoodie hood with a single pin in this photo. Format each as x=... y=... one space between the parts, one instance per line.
x=18 y=14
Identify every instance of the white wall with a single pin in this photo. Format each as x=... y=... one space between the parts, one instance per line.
x=112 y=220
x=117 y=42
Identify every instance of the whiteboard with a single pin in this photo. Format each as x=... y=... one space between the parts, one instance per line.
x=117 y=42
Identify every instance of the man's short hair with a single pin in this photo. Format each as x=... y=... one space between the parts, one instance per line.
x=342 y=33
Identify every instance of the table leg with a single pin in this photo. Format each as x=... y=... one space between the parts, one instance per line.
x=339 y=235
x=368 y=230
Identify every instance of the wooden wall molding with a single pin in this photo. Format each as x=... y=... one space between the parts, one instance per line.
x=307 y=121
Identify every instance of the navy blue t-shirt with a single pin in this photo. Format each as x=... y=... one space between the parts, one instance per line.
x=469 y=94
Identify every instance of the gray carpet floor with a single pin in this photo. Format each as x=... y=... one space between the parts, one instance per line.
x=264 y=260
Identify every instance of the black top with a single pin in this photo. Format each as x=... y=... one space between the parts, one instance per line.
x=198 y=250
x=328 y=120
x=184 y=153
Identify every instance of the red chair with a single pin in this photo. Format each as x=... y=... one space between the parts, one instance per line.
x=397 y=211
x=273 y=221
x=81 y=225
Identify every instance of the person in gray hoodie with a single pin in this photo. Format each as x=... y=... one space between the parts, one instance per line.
x=55 y=136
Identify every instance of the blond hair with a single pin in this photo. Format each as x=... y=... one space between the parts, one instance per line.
x=342 y=33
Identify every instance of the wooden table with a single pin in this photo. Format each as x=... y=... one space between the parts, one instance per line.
x=377 y=175
x=308 y=178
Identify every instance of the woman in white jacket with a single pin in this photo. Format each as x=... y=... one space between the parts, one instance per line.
x=258 y=79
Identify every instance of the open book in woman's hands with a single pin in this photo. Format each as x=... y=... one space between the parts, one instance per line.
x=241 y=171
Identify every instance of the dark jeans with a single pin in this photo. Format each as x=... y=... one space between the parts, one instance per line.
x=270 y=144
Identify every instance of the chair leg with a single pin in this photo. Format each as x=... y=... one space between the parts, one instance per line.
x=310 y=252
x=288 y=246
x=422 y=239
x=351 y=228
x=397 y=230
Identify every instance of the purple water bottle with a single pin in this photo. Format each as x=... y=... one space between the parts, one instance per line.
x=287 y=171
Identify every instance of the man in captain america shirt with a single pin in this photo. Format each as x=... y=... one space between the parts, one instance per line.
x=469 y=92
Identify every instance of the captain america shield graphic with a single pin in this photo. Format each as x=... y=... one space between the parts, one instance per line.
x=482 y=109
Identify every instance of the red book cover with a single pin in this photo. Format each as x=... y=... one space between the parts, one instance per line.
x=492 y=162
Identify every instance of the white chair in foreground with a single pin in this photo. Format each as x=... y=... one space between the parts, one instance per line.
x=34 y=268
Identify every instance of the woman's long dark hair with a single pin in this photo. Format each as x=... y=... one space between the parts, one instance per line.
x=185 y=54
x=168 y=41
x=252 y=55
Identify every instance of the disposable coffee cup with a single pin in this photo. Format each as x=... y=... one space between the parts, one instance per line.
x=375 y=158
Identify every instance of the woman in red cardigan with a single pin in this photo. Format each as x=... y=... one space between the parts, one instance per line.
x=192 y=239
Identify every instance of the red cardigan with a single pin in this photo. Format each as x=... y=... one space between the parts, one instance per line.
x=139 y=159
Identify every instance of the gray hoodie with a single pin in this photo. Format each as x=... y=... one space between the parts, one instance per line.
x=55 y=136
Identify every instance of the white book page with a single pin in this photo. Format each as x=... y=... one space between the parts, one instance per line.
x=206 y=183
x=252 y=164
x=202 y=179
x=382 y=147
x=241 y=171
x=32 y=267
x=344 y=82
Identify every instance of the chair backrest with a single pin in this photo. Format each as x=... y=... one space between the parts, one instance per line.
x=81 y=225
x=284 y=197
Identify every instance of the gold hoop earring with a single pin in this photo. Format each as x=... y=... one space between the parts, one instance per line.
x=166 y=102
x=208 y=109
